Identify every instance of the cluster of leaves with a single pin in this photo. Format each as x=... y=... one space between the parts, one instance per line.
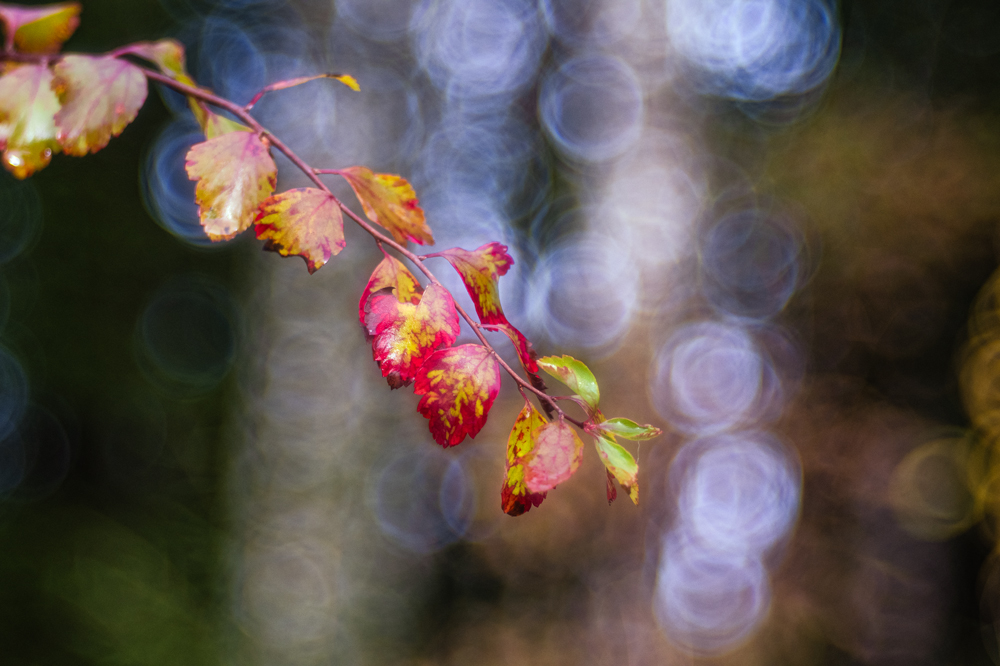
x=52 y=102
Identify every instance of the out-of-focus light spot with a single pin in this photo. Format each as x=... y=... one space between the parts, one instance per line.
x=756 y=49
x=228 y=60
x=736 y=493
x=708 y=601
x=935 y=489
x=410 y=494
x=379 y=20
x=585 y=291
x=479 y=47
x=750 y=264
x=598 y=22
x=592 y=107
x=168 y=192
x=286 y=594
x=20 y=216
x=711 y=377
x=186 y=337
x=13 y=393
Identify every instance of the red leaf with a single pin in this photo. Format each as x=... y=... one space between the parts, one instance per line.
x=404 y=335
x=458 y=386
x=27 y=119
x=306 y=222
x=100 y=97
x=480 y=271
x=390 y=273
x=235 y=174
x=391 y=202
x=515 y=497
x=39 y=29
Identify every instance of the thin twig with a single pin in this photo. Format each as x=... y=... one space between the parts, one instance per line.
x=313 y=174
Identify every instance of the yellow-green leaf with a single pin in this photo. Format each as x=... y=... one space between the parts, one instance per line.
x=619 y=463
x=28 y=107
x=573 y=374
x=629 y=429
x=306 y=222
x=41 y=29
x=390 y=201
x=234 y=174
x=100 y=97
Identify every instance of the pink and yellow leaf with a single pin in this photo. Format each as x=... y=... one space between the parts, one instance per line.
x=100 y=97
x=41 y=29
x=481 y=270
x=235 y=175
x=28 y=106
x=304 y=222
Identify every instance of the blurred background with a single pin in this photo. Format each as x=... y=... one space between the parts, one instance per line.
x=769 y=226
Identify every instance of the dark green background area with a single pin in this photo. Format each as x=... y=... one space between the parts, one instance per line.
x=120 y=561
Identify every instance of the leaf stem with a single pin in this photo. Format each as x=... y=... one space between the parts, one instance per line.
x=381 y=239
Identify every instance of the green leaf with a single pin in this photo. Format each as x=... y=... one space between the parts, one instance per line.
x=100 y=97
x=628 y=429
x=619 y=463
x=573 y=374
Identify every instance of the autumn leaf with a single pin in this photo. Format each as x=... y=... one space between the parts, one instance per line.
x=458 y=386
x=27 y=119
x=234 y=174
x=558 y=454
x=346 y=79
x=611 y=490
x=573 y=374
x=306 y=222
x=480 y=270
x=404 y=335
x=391 y=274
x=515 y=498
x=619 y=463
x=41 y=29
x=391 y=202
x=628 y=429
x=99 y=96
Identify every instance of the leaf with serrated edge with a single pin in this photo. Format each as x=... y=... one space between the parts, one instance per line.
x=305 y=222
x=28 y=107
x=391 y=202
x=573 y=374
x=166 y=54
x=40 y=29
x=515 y=498
x=390 y=273
x=100 y=97
x=629 y=429
x=480 y=270
x=234 y=174
x=558 y=453
x=404 y=335
x=619 y=463
x=458 y=386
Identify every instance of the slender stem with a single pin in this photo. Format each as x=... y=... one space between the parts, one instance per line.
x=313 y=174
x=380 y=238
